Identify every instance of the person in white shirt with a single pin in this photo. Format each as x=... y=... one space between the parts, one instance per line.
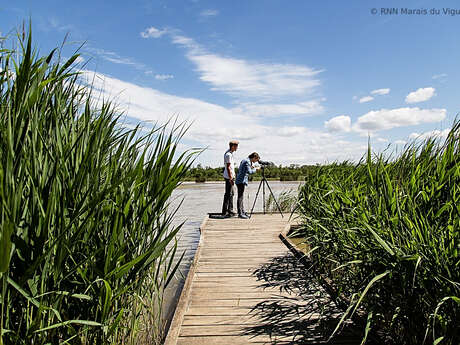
x=229 y=176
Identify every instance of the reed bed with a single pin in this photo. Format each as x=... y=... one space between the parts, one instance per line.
x=387 y=232
x=86 y=244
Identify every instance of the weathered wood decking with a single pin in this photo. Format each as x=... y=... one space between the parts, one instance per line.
x=221 y=289
x=245 y=287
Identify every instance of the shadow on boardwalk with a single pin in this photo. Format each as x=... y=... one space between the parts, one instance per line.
x=308 y=317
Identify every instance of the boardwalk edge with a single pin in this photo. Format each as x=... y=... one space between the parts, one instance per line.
x=176 y=323
x=305 y=259
x=339 y=299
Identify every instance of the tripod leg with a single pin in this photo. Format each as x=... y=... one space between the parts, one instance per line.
x=276 y=202
x=255 y=199
x=263 y=193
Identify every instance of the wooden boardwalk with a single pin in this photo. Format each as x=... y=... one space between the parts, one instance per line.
x=246 y=287
x=221 y=290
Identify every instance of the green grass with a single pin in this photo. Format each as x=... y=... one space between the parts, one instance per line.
x=387 y=231
x=86 y=243
x=286 y=199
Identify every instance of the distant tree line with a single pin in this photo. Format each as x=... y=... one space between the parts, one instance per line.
x=293 y=172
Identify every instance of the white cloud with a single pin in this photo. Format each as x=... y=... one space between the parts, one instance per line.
x=382 y=140
x=377 y=92
x=291 y=131
x=400 y=142
x=187 y=42
x=153 y=32
x=163 y=76
x=54 y=23
x=117 y=59
x=439 y=76
x=209 y=13
x=301 y=108
x=241 y=78
x=147 y=104
x=380 y=92
x=391 y=118
x=420 y=95
x=213 y=126
x=261 y=88
x=340 y=123
x=366 y=99
x=430 y=134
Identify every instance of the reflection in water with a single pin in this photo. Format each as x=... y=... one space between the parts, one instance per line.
x=199 y=199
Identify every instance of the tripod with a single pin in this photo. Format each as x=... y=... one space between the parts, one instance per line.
x=262 y=184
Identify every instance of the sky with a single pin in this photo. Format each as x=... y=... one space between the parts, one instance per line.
x=299 y=82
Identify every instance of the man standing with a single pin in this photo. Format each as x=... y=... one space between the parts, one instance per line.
x=229 y=176
x=242 y=180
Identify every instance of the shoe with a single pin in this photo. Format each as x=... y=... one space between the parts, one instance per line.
x=243 y=216
x=232 y=214
x=227 y=215
x=247 y=214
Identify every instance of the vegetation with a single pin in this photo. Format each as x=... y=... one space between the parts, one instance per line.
x=387 y=231
x=293 y=172
x=287 y=201
x=86 y=245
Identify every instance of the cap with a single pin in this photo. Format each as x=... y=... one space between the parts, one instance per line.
x=234 y=142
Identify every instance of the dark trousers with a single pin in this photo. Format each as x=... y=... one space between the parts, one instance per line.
x=239 y=202
x=227 y=206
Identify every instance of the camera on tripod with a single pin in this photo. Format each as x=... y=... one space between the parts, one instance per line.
x=264 y=164
x=263 y=183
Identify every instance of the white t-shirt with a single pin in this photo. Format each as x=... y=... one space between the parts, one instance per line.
x=228 y=158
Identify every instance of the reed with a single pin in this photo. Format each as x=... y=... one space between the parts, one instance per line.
x=387 y=231
x=286 y=199
x=86 y=240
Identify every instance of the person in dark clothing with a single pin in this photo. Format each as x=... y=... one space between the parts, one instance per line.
x=242 y=180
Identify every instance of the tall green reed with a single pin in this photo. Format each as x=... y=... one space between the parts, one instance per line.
x=85 y=226
x=388 y=232
x=286 y=199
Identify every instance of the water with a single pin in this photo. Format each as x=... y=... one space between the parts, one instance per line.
x=199 y=199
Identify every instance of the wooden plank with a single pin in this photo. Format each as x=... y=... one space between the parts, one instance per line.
x=236 y=340
x=219 y=330
x=209 y=320
x=236 y=259
x=263 y=257
x=217 y=310
x=227 y=340
x=223 y=280
x=226 y=265
x=246 y=303
x=203 y=320
x=213 y=288
x=227 y=280
x=215 y=296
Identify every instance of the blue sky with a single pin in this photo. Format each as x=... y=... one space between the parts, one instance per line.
x=299 y=82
